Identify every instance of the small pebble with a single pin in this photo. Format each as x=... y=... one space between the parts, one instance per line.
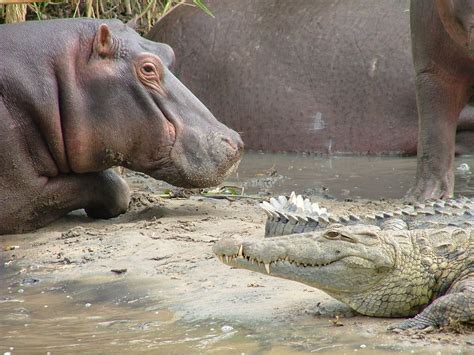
x=87 y=305
x=21 y=290
x=363 y=346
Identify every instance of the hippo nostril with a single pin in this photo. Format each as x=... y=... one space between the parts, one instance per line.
x=235 y=144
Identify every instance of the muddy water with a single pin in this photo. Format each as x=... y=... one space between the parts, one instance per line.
x=339 y=177
x=97 y=317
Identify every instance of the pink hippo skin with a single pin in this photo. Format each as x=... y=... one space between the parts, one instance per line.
x=80 y=96
x=443 y=54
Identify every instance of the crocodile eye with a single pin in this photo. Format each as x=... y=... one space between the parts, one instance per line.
x=332 y=235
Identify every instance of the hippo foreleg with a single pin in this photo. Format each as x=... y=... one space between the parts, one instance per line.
x=102 y=195
x=440 y=100
x=109 y=195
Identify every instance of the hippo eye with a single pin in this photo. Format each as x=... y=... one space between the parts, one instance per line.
x=148 y=68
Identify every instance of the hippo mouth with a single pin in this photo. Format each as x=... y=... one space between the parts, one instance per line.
x=170 y=123
x=171 y=131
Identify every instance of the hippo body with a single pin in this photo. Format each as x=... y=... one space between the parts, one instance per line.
x=443 y=54
x=327 y=76
x=80 y=96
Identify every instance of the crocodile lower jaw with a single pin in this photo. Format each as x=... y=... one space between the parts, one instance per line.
x=253 y=263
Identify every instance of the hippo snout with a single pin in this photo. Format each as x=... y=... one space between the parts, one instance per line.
x=225 y=152
x=202 y=159
x=234 y=141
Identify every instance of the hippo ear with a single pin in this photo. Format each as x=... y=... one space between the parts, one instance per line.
x=103 y=42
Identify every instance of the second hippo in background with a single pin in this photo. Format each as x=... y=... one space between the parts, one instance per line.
x=326 y=76
x=443 y=54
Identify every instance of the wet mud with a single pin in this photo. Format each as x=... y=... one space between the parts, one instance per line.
x=148 y=280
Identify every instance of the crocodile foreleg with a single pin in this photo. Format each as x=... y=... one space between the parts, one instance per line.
x=456 y=306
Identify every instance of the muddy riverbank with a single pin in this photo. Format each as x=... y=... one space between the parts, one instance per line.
x=148 y=281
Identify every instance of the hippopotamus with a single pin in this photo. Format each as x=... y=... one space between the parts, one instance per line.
x=443 y=54
x=78 y=97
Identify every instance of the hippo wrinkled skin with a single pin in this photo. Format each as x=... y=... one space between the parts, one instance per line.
x=443 y=54
x=80 y=96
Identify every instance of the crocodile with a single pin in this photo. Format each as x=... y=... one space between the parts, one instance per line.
x=413 y=262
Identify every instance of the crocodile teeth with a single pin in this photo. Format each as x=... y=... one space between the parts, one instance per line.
x=267 y=267
x=227 y=259
x=241 y=251
x=221 y=258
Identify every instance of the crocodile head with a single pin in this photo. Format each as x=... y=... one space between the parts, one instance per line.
x=360 y=265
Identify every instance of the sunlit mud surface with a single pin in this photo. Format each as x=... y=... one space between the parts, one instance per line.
x=148 y=281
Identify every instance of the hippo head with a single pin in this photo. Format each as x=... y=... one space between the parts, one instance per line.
x=143 y=117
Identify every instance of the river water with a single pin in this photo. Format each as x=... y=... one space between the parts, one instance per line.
x=339 y=177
